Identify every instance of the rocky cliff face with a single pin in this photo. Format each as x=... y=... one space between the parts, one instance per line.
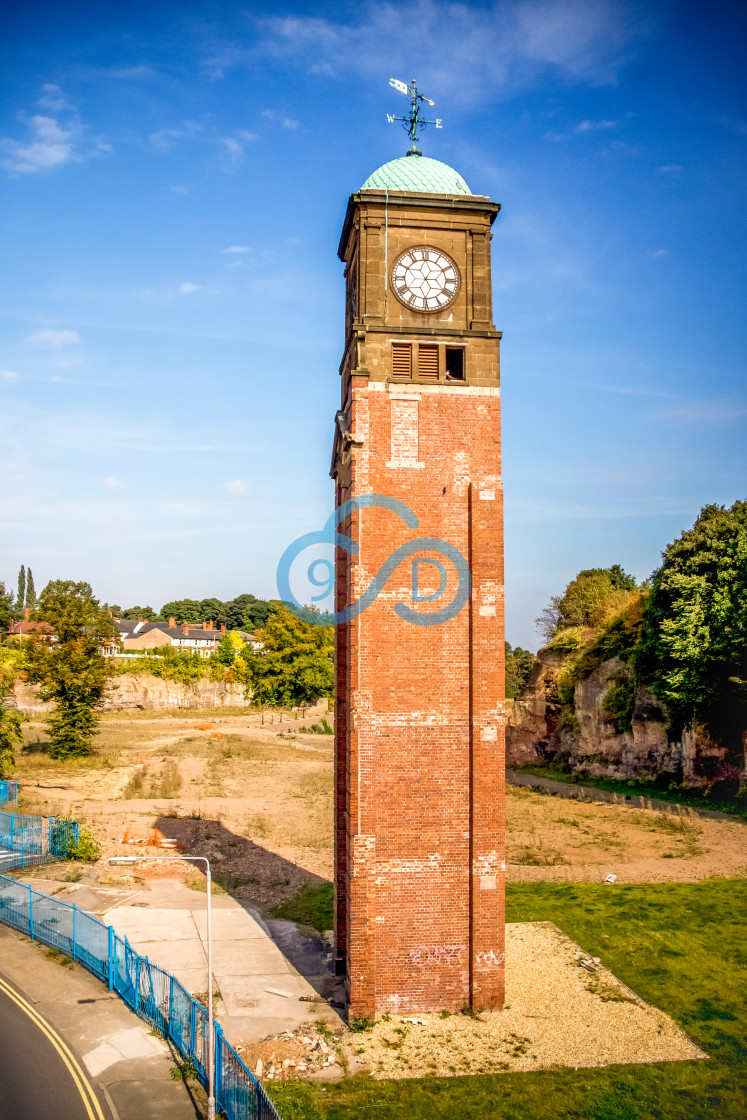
x=144 y=692
x=539 y=730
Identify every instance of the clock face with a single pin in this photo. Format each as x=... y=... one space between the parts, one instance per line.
x=425 y=279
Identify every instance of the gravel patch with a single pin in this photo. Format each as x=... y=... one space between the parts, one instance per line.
x=562 y=1009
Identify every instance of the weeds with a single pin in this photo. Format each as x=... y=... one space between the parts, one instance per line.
x=185 y=1072
x=471 y=1012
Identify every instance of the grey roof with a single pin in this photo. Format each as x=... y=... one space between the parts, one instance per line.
x=127 y=626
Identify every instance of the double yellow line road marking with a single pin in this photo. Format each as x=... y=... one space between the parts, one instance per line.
x=82 y=1084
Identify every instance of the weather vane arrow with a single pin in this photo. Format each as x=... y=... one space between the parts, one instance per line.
x=414 y=121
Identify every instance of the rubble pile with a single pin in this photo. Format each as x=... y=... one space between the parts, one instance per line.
x=304 y=1052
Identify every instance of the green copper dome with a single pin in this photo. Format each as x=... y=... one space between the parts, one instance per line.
x=416 y=173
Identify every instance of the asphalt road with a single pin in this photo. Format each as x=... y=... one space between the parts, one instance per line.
x=40 y=1078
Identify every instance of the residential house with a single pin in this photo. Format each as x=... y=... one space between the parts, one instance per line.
x=202 y=638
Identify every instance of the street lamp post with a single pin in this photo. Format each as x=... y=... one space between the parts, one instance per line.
x=211 y=1029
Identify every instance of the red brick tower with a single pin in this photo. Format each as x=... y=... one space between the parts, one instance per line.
x=420 y=800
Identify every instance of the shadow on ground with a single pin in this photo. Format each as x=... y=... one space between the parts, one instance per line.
x=259 y=880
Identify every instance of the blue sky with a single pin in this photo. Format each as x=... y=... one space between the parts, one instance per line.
x=174 y=180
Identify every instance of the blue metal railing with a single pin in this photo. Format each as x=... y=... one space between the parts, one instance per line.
x=26 y=840
x=8 y=793
x=153 y=994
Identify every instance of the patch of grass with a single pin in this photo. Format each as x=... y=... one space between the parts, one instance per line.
x=311 y=906
x=258 y=824
x=165 y=782
x=169 y=780
x=200 y=884
x=680 y=946
x=696 y=798
x=135 y=786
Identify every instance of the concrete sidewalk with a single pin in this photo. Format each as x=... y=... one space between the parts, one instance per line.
x=130 y=1065
x=261 y=991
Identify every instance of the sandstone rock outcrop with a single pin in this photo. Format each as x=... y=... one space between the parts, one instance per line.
x=145 y=692
x=539 y=731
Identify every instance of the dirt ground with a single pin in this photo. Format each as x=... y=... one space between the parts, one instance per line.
x=257 y=798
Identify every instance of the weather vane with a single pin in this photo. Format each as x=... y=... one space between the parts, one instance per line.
x=414 y=121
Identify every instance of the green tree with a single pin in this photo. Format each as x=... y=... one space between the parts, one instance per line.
x=247 y=612
x=590 y=600
x=11 y=719
x=72 y=672
x=136 y=612
x=693 y=648
x=21 y=593
x=519 y=664
x=226 y=651
x=182 y=610
x=30 y=590
x=294 y=665
x=212 y=609
x=6 y=608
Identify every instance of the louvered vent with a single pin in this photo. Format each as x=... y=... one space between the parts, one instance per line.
x=428 y=363
x=401 y=361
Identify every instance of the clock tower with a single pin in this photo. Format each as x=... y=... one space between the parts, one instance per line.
x=420 y=710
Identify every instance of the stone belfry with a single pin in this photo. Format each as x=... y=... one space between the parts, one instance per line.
x=420 y=709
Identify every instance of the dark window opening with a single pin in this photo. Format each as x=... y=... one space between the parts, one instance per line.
x=454 y=363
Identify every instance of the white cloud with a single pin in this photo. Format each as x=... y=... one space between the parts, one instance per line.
x=187 y=287
x=237 y=486
x=231 y=144
x=237 y=249
x=467 y=52
x=234 y=145
x=660 y=253
x=670 y=169
x=593 y=126
x=113 y=483
x=52 y=98
x=9 y=375
x=53 y=340
x=285 y=122
x=51 y=142
x=132 y=72
x=50 y=145
x=165 y=138
x=178 y=188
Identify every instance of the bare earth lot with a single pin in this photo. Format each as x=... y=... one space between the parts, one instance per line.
x=257 y=798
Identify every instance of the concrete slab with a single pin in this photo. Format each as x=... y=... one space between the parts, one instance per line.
x=149 y=1098
x=255 y=958
x=152 y=923
x=229 y=925
x=136 y=1042
x=174 y=955
x=193 y=980
x=100 y=1058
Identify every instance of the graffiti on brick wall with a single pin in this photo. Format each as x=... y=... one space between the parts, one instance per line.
x=438 y=954
x=488 y=958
